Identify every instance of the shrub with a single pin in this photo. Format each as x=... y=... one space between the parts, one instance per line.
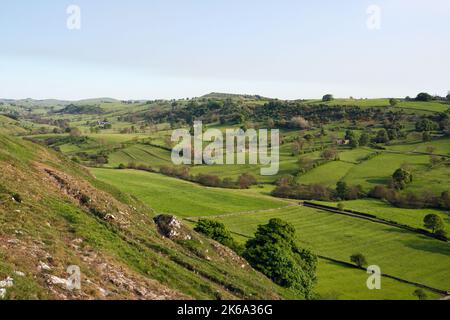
x=420 y=294
x=246 y=180
x=218 y=232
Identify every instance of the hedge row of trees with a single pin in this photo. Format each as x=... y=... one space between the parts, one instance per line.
x=244 y=181
x=288 y=188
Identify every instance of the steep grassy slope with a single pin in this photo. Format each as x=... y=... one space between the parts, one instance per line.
x=65 y=217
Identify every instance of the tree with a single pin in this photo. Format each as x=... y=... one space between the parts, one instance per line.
x=342 y=190
x=393 y=102
x=401 y=178
x=382 y=136
x=433 y=222
x=353 y=137
x=354 y=142
x=327 y=98
x=273 y=252
x=364 y=139
x=420 y=294
x=423 y=96
x=448 y=97
x=426 y=125
x=426 y=136
x=359 y=259
x=329 y=154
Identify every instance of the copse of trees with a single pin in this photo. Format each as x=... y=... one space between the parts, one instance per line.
x=426 y=125
x=274 y=253
x=424 y=97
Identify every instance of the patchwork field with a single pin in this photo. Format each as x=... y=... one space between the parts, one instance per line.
x=399 y=253
x=410 y=217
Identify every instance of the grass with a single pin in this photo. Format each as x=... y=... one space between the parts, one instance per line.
x=339 y=282
x=48 y=220
x=410 y=217
x=400 y=253
x=328 y=174
x=169 y=195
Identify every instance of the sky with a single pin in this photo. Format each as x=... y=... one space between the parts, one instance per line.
x=163 y=49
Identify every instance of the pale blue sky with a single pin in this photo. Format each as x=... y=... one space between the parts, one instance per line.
x=145 y=49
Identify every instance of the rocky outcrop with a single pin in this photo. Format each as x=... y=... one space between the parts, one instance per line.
x=170 y=227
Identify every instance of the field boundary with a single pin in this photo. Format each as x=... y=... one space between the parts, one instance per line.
x=373 y=218
x=348 y=264
x=241 y=213
x=444 y=293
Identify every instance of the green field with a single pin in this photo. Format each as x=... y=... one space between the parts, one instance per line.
x=410 y=217
x=398 y=252
x=169 y=195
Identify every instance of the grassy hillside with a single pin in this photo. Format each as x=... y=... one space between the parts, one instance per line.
x=77 y=220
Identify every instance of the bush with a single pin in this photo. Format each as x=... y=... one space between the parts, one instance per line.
x=121 y=166
x=420 y=294
x=246 y=180
x=218 y=232
x=274 y=253
x=359 y=259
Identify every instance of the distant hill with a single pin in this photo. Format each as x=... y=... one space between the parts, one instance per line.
x=218 y=95
x=81 y=109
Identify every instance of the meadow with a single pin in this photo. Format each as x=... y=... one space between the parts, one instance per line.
x=185 y=199
x=399 y=253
